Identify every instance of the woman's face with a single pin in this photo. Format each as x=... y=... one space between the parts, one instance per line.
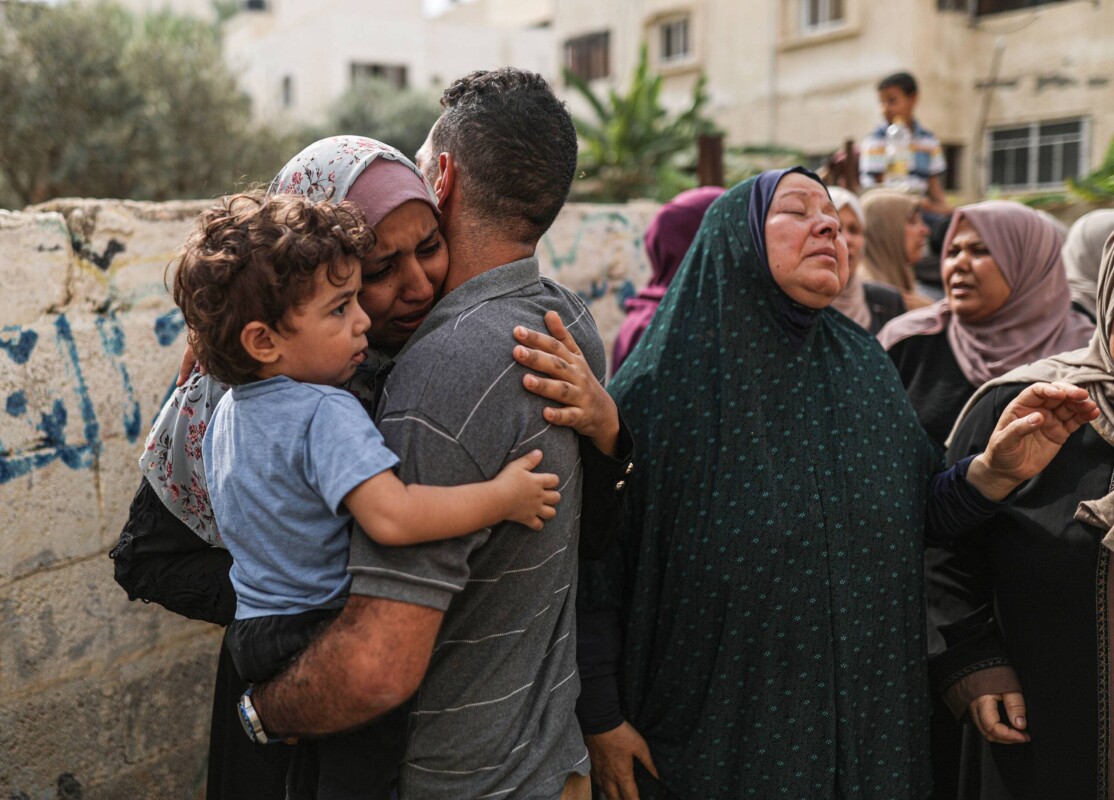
x=973 y=282
x=808 y=257
x=916 y=232
x=853 y=233
x=403 y=275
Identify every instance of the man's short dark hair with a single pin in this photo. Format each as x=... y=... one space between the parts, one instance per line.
x=256 y=258
x=902 y=80
x=514 y=147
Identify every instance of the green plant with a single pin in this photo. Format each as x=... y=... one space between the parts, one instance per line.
x=740 y=163
x=1099 y=185
x=633 y=147
x=97 y=102
x=375 y=108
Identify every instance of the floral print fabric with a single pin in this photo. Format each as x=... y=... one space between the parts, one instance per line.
x=171 y=460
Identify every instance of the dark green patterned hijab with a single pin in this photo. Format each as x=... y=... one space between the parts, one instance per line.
x=768 y=580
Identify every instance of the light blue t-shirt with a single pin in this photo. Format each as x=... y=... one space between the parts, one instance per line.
x=279 y=458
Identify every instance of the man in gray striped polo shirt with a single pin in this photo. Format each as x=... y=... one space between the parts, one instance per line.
x=488 y=619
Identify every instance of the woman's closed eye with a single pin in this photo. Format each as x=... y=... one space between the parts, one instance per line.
x=430 y=248
x=376 y=272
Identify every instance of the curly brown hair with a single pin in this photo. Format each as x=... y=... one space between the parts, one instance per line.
x=255 y=258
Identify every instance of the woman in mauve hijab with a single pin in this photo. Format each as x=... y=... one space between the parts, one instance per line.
x=1006 y=303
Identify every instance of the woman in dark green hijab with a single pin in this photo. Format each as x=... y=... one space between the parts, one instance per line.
x=758 y=630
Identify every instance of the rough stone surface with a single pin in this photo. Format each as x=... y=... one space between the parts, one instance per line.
x=89 y=346
x=33 y=270
x=131 y=732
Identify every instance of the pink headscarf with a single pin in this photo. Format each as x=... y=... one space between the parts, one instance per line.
x=667 y=239
x=1035 y=321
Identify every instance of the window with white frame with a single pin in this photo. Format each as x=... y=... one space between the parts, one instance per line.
x=1036 y=155
x=818 y=15
x=675 y=40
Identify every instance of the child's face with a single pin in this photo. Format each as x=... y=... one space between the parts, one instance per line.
x=323 y=340
x=895 y=103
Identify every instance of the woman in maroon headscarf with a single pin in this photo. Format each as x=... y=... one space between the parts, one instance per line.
x=1006 y=303
x=667 y=240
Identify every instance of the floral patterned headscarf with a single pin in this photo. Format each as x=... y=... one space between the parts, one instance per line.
x=375 y=176
x=327 y=170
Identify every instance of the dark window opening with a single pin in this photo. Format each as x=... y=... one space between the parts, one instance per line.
x=953 y=155
x=983 y=7
x=394 y=74
x=589 y=57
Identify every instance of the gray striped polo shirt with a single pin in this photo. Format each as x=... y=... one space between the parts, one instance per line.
x=494 y=715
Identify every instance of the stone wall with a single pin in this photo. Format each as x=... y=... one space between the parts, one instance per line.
x=101 y=697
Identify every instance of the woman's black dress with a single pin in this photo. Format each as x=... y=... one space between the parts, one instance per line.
x=936 y=385
x=1031 y=592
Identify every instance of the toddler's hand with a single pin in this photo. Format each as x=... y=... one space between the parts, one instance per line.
x=531 y=495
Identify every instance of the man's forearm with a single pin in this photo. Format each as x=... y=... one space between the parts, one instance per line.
x=368 y=661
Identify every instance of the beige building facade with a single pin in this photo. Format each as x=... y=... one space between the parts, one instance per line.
x=295 y=57
x=1021 y=97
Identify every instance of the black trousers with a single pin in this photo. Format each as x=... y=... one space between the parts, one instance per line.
x=357 y=765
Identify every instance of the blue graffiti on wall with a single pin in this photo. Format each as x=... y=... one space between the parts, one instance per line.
x=603 y=286
x=52 y=444
x=18 y=345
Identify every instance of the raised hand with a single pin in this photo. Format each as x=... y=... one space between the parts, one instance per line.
x=1028 y=436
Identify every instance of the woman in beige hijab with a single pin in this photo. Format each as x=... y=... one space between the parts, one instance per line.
x=1024 y=611
x=868 y=304
x=895 y=237
x=1082 y=254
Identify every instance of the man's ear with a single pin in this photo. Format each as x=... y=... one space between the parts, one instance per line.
x=446 y=178
x=261 y=342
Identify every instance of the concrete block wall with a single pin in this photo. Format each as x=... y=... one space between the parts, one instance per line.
x=101 y=697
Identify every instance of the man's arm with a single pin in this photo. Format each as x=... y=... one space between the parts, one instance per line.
x=368 y=661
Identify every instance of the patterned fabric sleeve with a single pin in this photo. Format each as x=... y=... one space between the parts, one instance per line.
x=171 y=460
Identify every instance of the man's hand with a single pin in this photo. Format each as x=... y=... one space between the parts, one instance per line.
x=588 y=408
x=613 y=755
x=984 y=713
x=1028 y=436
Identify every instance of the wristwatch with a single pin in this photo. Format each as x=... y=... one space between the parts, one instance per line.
x=250 y=720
